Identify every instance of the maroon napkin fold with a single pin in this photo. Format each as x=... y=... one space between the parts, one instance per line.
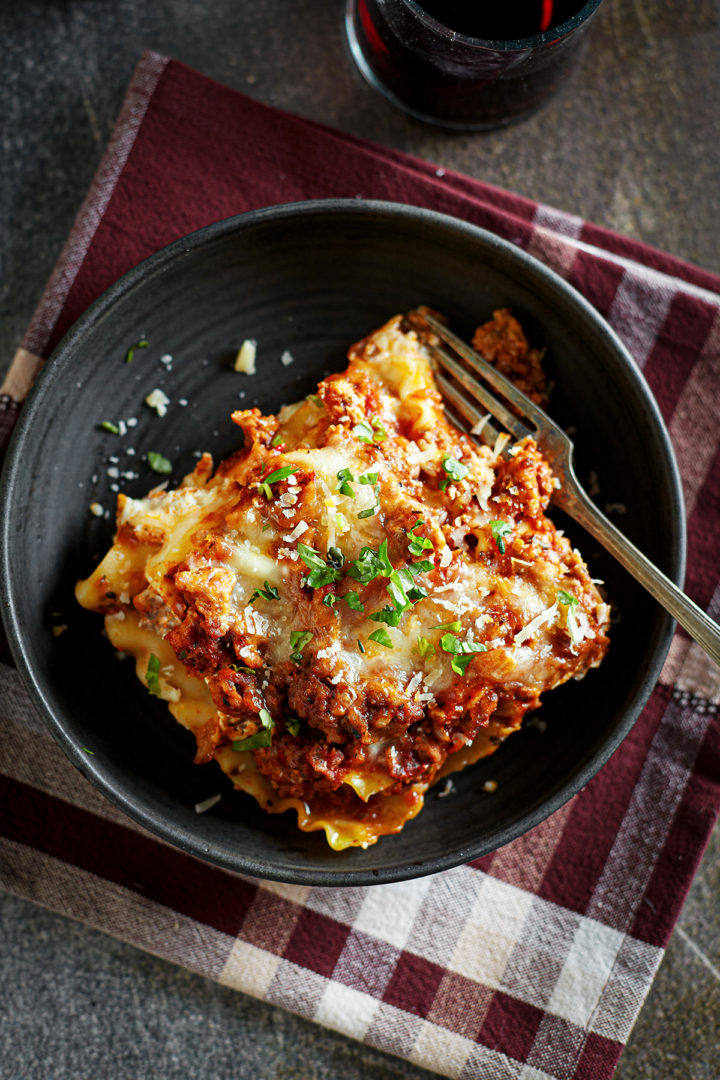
x=533 y=962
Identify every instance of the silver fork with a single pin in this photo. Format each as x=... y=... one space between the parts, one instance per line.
x=557 y=449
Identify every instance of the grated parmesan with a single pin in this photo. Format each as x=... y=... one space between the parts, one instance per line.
x=245 y=359
x=157 y=400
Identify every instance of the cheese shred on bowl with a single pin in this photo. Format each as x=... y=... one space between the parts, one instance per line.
x=360 y=600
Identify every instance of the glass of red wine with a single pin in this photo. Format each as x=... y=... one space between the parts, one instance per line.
x=467 y=64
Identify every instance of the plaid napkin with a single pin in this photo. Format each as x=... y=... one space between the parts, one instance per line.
x=533 y=962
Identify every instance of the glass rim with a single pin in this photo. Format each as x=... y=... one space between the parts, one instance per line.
x=506 y=44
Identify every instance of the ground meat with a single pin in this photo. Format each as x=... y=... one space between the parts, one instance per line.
x=503 y=343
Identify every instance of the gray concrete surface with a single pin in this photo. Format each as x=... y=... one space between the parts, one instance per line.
x=632 y=144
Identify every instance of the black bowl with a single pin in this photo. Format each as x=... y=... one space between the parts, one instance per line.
x=310 y=278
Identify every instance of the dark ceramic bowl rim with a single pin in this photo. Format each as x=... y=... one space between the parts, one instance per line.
x=154 y=819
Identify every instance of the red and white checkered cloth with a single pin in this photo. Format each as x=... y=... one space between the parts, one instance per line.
x=533 y=962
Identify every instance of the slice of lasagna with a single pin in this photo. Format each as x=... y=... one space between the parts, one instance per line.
x=359 y=600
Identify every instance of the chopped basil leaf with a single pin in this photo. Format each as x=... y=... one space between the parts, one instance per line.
x=322 y=574
x=310 y=557
x=416 y=593
x=318 y=578
x=335 y=558
x=107 y=426
x=316 y=400
x=457 y=625
x=292 y=725
x=425 y=647
x=455 y=470
x=371 y=564
x=363 y=431
x=370 y=432
x=143 y=344
x=268 y=593
x=567 y=598
x=281 y=474
x=418 y=544
x=368 y=478
x=278 y=439
x=361 y=647
x=422 y=567
x=499 y=530
x=300 y=638
x=382 y=637
x=329 y=600
x=298 y=641
x=266 y=719
x=91 y=752
x=266 y=526
x=254 y=742
x=448 y=642
x=459 y=664
x=344 y=476
x=370 y=512
x=388 y=615
x=462 y=651
x=152 y=676
x=158 y=463
x=353 y=601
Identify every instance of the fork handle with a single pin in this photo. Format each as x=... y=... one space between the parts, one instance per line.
x=698 y=624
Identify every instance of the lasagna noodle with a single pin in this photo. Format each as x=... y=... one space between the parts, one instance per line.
x=253 y=589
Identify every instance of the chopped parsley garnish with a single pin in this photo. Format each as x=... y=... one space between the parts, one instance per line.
x=279 y=474
x=461 y=652
x=371 y=564
x=370 y=431
x=142 y=344
x=455 y=470
x=298 y=641
x=107 y=426
x=382 y=637
x=454 y=626
x=293 y=725
x=158 y=463
x=352 y=599
x=152 y=676
x=268 y=593
x=425 y=647
x=322 y=573
x=277 y=440
x=260 y=738
x=567 y=598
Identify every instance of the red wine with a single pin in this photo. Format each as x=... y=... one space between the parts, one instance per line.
x=501 y=20
x=461 y=83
